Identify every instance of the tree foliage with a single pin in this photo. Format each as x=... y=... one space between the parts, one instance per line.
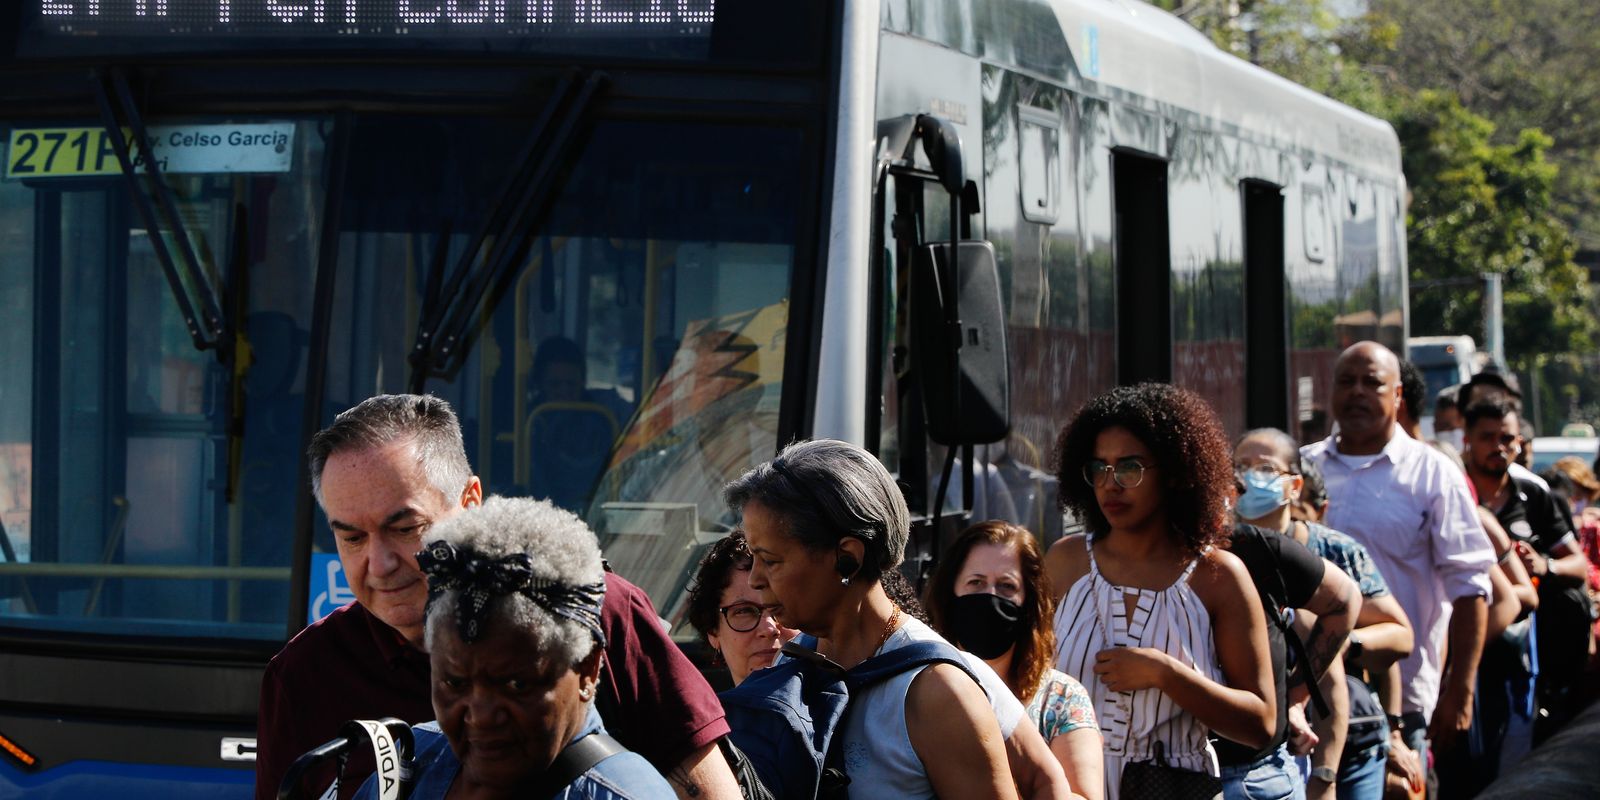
x=1482 y=207
x=1497 y=106
x=1524 y=64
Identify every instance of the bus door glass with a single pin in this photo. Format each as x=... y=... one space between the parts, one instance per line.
x=146 y=485
x=631 y=361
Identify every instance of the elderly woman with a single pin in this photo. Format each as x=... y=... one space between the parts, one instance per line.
x=729 y=614
x=514 y=641
x=825 y=521
x=991 y=597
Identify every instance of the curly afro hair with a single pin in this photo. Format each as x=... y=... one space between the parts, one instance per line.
x=1186 y=439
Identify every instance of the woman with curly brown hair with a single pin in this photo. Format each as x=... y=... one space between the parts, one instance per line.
x=990 y=597
x=1160 y=623
x=729 y=614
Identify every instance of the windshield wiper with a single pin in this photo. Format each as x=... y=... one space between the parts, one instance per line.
x=117 y=108
x=445 y=333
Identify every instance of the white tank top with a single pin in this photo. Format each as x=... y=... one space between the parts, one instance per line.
x=877 y=747
x=1092 y=617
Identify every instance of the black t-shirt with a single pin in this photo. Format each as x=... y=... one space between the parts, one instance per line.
x=1533 y=515
x=1286 y=575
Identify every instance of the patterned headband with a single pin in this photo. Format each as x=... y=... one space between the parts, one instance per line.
x=480 y=578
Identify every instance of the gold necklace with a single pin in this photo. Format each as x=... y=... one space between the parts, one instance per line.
x=888 y=628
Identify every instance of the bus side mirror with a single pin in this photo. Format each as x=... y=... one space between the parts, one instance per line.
x=966 y=387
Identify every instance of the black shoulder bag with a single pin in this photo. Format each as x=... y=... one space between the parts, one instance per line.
x=576 y=759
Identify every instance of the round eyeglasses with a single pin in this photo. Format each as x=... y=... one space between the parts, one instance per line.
x=1127 y=472
x=1262 y=473
x=744 y=617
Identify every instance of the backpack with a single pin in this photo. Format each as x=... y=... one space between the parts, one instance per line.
x=784 y=718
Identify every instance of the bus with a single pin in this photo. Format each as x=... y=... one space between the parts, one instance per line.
x=638 y=245
x=1445 y=361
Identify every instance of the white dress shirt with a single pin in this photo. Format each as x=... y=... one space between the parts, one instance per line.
x=1411 y=508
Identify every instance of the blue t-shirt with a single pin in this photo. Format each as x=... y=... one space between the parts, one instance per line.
x=624 y=776
x=1349 y=556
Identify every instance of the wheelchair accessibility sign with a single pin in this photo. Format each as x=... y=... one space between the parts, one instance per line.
x=330 y=589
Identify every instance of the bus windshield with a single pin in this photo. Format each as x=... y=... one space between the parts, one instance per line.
x=628 y=364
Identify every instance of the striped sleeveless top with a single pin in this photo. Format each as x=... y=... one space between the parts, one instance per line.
x=1094 y=616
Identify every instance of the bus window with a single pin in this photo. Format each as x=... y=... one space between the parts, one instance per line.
x=633 y=362
x=142 y=480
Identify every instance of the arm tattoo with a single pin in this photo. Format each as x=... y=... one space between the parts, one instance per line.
x=1324 y=646
x=680 y=778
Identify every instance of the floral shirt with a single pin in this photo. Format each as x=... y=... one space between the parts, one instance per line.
x=1348 y=555
x=1061 y=704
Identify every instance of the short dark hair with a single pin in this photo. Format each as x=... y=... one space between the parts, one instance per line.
x=1413 y=388
x=1313 y=492
x=1446 y=398
x=1186 y=439
x=1492 y=385
x=556 y=350
x=728 y=555
x=376 y=421
x=826 y=490
x=1495 y=408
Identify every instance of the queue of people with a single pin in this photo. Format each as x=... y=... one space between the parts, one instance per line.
x=1252 y=619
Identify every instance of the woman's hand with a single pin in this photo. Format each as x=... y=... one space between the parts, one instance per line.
x=1302 y=739
x=1129 y=669
x=1403 y=761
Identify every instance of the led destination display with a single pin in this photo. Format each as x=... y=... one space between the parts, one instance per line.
x=372 y=19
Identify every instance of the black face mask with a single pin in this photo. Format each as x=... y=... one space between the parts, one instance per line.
x=985 y=625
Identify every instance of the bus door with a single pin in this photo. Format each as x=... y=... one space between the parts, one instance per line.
x=1144 y=267
x=941 y=334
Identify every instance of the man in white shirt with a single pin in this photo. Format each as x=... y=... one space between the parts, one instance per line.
x=1410 y=506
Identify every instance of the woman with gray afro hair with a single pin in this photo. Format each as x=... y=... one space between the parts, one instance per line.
x=514 y=642
x=825 y=522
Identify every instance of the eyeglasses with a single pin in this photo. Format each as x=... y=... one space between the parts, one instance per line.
x=1127 y=472
x=744 y=617
x=1260 y=472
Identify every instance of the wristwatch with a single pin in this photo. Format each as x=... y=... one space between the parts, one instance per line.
x=1325 y=774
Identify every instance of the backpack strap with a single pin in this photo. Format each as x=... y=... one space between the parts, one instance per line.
x=880 y=668
x=1290 y=638
x=576 y=759
x=875 y=670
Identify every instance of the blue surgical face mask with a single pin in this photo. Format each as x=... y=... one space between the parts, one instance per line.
x=1262 y=496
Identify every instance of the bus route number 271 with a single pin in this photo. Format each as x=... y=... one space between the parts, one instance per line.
x=61 y=153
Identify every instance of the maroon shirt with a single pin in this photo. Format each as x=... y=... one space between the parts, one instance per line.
x=350 y=665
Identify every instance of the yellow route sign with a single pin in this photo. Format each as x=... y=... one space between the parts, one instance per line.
x=192 y=149
x=60 y=153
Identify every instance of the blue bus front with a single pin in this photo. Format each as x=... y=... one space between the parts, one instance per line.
x=222 y=222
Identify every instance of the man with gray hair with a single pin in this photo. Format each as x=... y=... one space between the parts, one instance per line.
x=384 y=472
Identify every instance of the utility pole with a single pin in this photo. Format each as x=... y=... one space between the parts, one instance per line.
x=1494 y=334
